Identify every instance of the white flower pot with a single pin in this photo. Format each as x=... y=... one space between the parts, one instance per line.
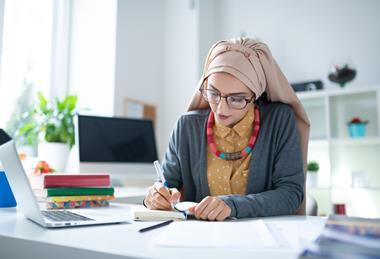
x=312 y=179
x=55 y=154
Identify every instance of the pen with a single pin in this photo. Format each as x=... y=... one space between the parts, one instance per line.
x=156 y=226
x=160 y=175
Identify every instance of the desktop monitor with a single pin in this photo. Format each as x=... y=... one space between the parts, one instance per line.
x=123 y=147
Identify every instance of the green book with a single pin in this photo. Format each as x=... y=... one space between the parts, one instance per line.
x=75 y=191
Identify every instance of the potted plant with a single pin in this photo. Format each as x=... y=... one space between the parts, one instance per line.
x=312 y=176
x=55 y=128
x=357 y=127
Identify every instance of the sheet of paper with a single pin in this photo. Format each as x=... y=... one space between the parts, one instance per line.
x=241 y=234
x=295 y=234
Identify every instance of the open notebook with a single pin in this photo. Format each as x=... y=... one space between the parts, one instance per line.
x=180 y=212
x=158 y=215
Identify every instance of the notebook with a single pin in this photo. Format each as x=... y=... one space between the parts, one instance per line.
x=76 y=180
x=144 y=214
x=180 y=212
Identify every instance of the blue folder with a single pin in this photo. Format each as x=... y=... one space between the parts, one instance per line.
x=6 y=196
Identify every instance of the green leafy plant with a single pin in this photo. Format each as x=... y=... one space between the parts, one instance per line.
x=54 y=123
x=312 y=166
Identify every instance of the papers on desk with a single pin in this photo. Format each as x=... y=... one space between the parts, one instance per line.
x=240 y=234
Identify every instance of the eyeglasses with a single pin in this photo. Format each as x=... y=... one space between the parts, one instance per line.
x=234 y=101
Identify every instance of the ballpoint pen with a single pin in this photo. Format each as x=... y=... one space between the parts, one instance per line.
x=156 y=226
x=160 y=175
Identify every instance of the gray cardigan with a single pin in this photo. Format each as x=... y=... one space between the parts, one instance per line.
x=276 y=180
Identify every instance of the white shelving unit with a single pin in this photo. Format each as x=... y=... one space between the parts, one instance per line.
x=349 y=171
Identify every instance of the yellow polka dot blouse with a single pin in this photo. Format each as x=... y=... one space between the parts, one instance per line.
x=230 y=176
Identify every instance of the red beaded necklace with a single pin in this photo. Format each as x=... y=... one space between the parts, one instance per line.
x=235 y=155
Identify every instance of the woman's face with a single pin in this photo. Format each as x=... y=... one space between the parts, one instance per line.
x=228 y=85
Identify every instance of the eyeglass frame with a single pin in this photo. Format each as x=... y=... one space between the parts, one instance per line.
x=247 y=101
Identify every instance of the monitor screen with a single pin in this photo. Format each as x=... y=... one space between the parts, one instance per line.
x=115 y=140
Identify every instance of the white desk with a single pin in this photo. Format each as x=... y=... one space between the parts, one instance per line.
x=21 y=238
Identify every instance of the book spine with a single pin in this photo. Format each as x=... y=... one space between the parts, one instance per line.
x=76 y=204
x=76 y=180
x=79 y=191
x=79 y=198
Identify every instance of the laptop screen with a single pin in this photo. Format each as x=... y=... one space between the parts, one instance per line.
x=112 y=139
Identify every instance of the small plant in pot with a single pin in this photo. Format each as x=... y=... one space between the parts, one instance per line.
x=357 y=127
x=312 y=174
x=53 y=123
x=312 y=166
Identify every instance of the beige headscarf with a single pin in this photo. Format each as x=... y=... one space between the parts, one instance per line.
x=252 y=63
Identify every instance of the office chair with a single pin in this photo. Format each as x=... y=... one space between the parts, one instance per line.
x=311 y=206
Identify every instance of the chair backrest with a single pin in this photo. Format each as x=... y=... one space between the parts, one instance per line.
x=311 y=206
x=302 y=208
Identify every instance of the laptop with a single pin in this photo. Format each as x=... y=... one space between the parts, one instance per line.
x=27 y=202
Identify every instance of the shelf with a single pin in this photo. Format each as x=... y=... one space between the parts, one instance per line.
x=375 y=189
x=323 y=142
x=342 y=159
x=356 y=141
x=353 y=90
x=336 y=91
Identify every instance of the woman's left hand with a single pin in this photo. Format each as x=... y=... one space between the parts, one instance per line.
x=212 y=208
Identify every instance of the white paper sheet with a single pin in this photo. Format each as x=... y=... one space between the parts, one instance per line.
x=241 y=234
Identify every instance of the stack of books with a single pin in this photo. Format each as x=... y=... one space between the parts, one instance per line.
x=346 y=237
x=68 y=191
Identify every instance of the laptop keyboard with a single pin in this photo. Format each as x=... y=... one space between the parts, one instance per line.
x=63 y=215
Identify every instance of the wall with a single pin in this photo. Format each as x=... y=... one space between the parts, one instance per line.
x=92 y=54
x=140 y=56
x=157 y=58
x=181 y=62
x=208 y=28
x=307 y=36
x=161 y=46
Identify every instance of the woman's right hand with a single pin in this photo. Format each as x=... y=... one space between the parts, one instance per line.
x=160 y=198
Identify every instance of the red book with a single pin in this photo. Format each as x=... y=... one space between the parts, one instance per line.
x=76 y=180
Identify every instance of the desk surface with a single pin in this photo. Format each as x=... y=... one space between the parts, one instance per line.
x=22 y=238
x=130 y=195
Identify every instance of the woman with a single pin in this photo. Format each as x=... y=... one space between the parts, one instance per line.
x=245 y=157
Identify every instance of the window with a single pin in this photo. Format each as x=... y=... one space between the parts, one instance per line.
x=32 y=37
